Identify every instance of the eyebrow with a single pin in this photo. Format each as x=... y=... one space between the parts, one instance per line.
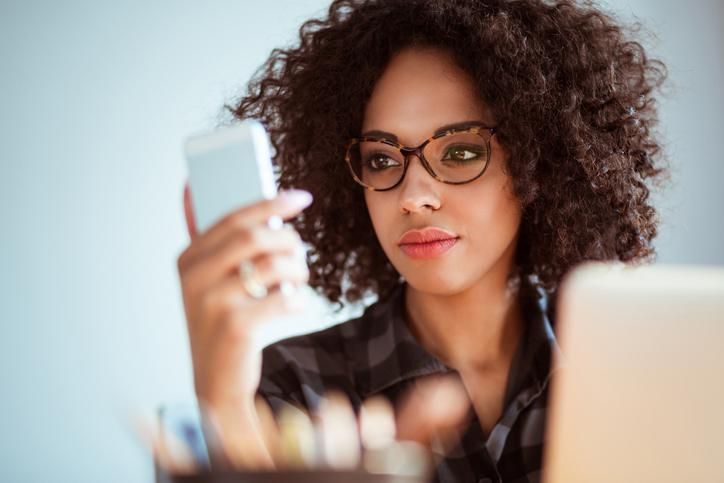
x=440 y=130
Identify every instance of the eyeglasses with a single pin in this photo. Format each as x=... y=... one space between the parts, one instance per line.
x=455 y=156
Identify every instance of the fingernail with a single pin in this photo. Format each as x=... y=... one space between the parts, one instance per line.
x=298 y=198
x=275 y=222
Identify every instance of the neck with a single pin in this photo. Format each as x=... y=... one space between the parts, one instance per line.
x=474 y=331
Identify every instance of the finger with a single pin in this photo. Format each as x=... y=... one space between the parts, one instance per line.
x=242 y=245
x=189 y=212
x=286 y=205
x=272 y=270
x=237 y=224
x=228 y=304
x=260 y=238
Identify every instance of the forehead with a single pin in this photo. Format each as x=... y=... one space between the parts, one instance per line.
x=420 y=90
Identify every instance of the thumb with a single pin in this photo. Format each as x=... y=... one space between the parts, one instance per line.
x=189 y=212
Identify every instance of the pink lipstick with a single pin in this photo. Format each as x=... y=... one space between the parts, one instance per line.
x=429 y=242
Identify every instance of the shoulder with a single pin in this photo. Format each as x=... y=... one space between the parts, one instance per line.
x=310 y=351
x=300 y=369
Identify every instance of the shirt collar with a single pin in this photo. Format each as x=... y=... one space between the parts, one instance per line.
x=385 y=353
x=538 y=354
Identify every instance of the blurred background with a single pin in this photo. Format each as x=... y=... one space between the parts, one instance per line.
x=96 y=98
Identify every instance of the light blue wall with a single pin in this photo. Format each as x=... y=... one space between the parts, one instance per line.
x=691 y=40
x=95 y=98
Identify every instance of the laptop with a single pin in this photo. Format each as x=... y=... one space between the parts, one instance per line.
x=638 y=390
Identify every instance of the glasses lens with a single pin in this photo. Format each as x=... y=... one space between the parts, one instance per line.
x=458 y=157
x=376 y=164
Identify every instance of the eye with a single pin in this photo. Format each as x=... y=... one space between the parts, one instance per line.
x=463 y=153
x=380 y=161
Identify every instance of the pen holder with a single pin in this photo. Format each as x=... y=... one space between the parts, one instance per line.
x=394 y=462
x=292 y=476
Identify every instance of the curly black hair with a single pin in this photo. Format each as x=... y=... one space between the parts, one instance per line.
x=570 y=87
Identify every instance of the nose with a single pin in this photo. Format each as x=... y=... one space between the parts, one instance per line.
x=418 y=190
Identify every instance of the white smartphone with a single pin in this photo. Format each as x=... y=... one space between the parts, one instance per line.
x=229 y=168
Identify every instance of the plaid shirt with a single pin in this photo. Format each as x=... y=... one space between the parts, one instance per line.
x=377 y=354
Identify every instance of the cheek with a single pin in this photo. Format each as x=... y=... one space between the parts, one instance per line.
x=385 y=221
x=495 y=218
x=377 y=212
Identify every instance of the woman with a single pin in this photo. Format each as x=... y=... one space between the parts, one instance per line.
x=534 y=122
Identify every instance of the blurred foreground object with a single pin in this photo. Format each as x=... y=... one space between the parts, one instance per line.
x=332 y=444
x=639 y=387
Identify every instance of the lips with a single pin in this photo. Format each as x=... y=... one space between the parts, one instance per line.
x=427 y=243
x=426 y=235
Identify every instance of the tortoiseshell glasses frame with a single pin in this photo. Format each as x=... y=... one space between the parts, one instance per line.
x=485 y=132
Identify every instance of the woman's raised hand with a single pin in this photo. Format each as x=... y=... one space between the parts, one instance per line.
x=221 y=313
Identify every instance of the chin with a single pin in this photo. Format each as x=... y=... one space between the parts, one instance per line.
x=436 y=283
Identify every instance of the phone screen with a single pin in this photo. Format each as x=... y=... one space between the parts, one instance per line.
x=228 y=168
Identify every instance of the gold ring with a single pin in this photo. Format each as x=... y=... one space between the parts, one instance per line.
x=250 y=280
